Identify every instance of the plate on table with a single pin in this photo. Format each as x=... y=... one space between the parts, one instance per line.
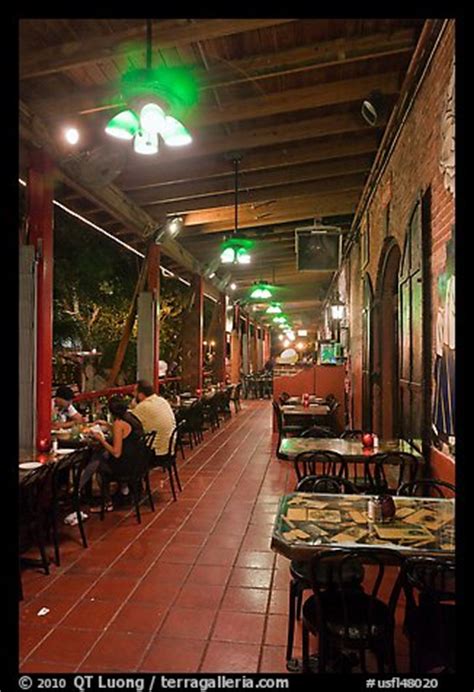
x=29 y=465
x=64 y=451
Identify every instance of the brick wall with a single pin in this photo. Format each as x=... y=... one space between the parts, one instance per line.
x=413 y=168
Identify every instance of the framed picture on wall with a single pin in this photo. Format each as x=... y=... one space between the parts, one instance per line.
x=365 y=242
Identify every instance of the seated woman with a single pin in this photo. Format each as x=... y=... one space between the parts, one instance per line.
x=126 y=454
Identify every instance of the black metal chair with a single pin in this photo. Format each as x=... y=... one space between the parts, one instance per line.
x=408 y=465
x=427 y=488
x=36 y=509
x=323 y=463
x=318 y=431
x=210 y=410
x=345 y=617
x=299 y=570
x=168 y=462
x=284 y=430
x=235 y=396
x=180 y=424
x=430 y=595
x=135 y=476
x=67 y=497
x=351 y=434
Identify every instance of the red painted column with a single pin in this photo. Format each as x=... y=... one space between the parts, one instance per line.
x=153 y=285
x=220 y=335
x=192 y=371
x=235 y=358
x=40 y=223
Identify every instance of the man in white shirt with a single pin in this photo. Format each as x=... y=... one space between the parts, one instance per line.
x=63 y=413
x=155 y=413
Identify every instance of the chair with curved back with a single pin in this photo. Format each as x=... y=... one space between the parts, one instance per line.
x=318 y=431
x=284 y=430
x=134 y=477
x=168 y=462
x=344 y=615
x=300 y=579
x=320 y=463
x=351 y=434
x=427 y=488
x=235 y=396
x=430 y=595
x=407 y=464
x=36 y=508
x=70 y=466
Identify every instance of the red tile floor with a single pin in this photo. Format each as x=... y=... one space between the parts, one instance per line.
x=194 y=588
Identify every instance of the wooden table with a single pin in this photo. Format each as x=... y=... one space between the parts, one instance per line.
x=352 y=450
x=308 y=522
x=312 y=399
x=313 y=410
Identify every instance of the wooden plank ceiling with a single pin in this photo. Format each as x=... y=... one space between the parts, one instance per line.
x=282 y=94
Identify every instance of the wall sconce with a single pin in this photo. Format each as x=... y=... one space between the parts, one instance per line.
x=338 y=309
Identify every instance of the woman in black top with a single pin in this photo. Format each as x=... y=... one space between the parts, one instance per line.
x=127 y=453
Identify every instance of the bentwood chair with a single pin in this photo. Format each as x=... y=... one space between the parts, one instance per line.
x=346 y=617
x=167 y=462
x=235 y=396
x=284 y=430
x=36 y=509
x=323 y=463
x=299 y=571
x=134 y=477
x=427 y=488
x=318 y=431
x=67 y=497
x=430 y=595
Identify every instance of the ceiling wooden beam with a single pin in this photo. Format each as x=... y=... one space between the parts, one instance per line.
x=251 y=181
x=255 y=68
x=166 y=34
x=302 y=208
x=210 y=204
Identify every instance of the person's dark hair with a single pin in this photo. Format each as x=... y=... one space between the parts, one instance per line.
x=117 y=406
x=145 y=387
x=64 y=392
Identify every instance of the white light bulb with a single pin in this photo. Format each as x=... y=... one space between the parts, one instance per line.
x=72 y=135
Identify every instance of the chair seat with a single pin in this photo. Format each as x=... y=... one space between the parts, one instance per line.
x=359 y=629
x=292 y=428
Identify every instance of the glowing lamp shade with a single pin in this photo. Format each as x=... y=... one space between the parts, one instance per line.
x=273 y=309
x=337 y=311
x=72 y=135
x=152 y=118
x=146 y=143
x=261 y=291
x=174 y=133
x=124 y=125
x=228 y=255
x=243 y=256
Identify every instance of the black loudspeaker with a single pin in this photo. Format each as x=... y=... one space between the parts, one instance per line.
x=317 y=250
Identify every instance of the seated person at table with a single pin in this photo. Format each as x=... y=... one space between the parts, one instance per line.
x=63 y=413
x=127 y=450
x=155 y=413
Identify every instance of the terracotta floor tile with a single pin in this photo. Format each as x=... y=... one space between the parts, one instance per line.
x=112 y=588
x=65 y=645
x=139 y=617
x=256 y=559
x=200 y=596
x=279 y=601
x=188 y=623
x=181 y=553
x=117 y=651
x=151 y=591
x=170 y=655
x=184 y=537
x=168 y=572
x=209 y=574
x=273 y=660
x=91 y=614
x=30 y=636
x=222 y=539
x=216 y=556
x=277 y=629
x=70 y=585
x=246 y=576
x=44 y=667
x=227 y=657
x=245 y=600
x=239 y=627
x=56 y=604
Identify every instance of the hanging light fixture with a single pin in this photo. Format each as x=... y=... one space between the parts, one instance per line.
x=261 y=291
x=154 y=94
x=273 y=309
x=235 y=249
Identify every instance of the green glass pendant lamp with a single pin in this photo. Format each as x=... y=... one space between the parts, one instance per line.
x=236 y=248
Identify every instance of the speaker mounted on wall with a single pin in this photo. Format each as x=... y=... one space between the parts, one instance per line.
x=318 y=248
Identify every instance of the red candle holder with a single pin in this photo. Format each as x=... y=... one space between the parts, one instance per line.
x=368 y=440
x=44 y=445
x=306 y=400
x=199 y=392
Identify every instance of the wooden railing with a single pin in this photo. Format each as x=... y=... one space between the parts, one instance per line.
x=113 y=391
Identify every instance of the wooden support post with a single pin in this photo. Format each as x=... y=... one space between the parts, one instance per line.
x=220 y=339
x=254 y=348
x=192 y=370
x=153 y=285
x=40 y=224
x=235 y=358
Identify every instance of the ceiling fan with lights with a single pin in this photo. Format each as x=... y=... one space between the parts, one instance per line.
x=155 y=97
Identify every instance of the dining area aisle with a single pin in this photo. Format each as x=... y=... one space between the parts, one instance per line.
x=194 y=588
